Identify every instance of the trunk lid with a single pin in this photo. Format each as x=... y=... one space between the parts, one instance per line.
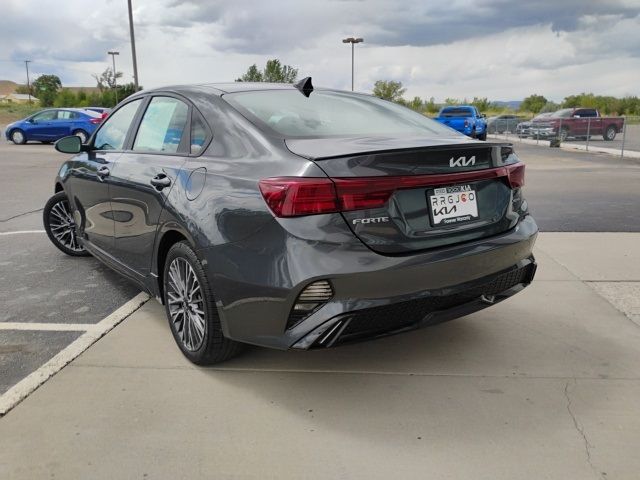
x=444 y=193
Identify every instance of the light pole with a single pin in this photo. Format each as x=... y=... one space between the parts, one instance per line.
x=352 y=41
x=26 y=64
x=113 y=54
x=133 y=47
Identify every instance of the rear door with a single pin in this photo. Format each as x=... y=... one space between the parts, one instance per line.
x=62 y=124
x=145 y=175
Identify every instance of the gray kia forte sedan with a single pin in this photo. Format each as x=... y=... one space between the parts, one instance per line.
x=291 y=217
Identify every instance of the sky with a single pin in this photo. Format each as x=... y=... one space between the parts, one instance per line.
x=499 y=49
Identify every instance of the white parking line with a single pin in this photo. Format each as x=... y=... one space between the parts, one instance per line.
x=20 y=232
x=27 y=385
x=56 y=327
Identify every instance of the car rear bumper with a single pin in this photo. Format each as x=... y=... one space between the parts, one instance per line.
x=257 y=282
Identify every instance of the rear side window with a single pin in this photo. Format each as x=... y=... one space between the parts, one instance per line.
x=113 y=132
x=162 y=126
x=199 y=133
x=66 y=115
x=586 y=112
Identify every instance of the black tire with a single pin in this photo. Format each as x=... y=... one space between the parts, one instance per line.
x=64 y=237
x=84 y=136
x=483 y=136
x=610 y=133
x=214 y=347
x=18 y=137
x=46 y=142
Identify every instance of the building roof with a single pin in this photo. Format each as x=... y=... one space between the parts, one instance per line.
x=18 y=96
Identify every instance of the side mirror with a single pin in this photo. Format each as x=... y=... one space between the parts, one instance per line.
x=31 y=120
x=71 y=144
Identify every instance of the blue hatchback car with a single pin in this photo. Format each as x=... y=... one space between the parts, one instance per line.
x=52 y=124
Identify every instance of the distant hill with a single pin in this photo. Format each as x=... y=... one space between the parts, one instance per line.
x=512 y=104
x=7 y=87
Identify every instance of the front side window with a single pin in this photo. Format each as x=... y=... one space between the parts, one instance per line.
x=113 y=132
x=327 y=113
x=45 y=116
x=162 y=126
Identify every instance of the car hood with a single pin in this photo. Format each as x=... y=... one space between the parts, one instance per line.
x=315 y=148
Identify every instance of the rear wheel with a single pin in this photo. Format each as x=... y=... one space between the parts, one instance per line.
x=483 y=136
x=18 y=137
x=610 y=133
x=84 y=136
x=61 y=227
x=191 y=309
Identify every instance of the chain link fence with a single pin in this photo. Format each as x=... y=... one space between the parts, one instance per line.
x=617 y=135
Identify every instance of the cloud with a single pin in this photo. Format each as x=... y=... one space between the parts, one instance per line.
x=502 y=49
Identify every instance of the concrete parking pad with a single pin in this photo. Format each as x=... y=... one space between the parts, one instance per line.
x=544 y=385
x=595 y=256
x=22 y=352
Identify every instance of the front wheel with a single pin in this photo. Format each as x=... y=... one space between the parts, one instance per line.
x=191 y=309
x=610 y=133
x=61 y=227
x=18 y=137
x=84 y=136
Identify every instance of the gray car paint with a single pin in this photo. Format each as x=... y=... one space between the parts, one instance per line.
x=257 y=263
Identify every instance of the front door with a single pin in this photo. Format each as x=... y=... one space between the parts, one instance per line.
x=41 y=125
x=144 y=177
x=90 y=181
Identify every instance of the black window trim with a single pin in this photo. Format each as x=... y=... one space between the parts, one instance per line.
x=133 y=122
x=209 y=134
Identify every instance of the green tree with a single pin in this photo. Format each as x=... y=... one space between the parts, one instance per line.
x=107 y=79
x=533 y=103
x=431 y=106
x=416 y=104
x=45 y=88
x=389 y=90
x=451 y=101
x=274 y=71
x=482 y=104
x=65 y=98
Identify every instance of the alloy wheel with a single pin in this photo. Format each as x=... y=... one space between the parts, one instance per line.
x=63 y=226
x=186 y=304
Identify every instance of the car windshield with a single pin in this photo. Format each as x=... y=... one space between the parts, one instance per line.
x=455 y=112
x=564 y=113
x=327 y=113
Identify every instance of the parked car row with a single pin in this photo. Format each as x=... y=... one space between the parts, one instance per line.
x=49 y=125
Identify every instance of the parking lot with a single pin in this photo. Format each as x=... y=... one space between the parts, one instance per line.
x=544 y=385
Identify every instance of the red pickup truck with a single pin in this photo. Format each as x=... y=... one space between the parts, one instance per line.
x=576 y=122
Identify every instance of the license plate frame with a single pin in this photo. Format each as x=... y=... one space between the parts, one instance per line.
x=469 y=206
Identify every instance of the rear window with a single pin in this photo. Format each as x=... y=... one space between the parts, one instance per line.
x=327 y=114
x=456 y=112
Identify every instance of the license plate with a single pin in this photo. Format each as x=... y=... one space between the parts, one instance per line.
x=452 y=205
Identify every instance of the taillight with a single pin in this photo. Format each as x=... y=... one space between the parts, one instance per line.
x=296 y=196
x=95 y=121
x=292 y=197
x=515 y=175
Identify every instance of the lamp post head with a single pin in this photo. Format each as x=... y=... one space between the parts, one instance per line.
x=352 y=40
x=113 y=52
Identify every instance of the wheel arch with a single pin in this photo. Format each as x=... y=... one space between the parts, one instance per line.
x=166 y=239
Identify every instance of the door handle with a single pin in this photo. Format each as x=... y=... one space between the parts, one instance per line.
x=160 y=181
x=103 y=172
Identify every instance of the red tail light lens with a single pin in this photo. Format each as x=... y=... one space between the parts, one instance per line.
x=515 y=175
x=296 y=196
x=292 y=197
x=95 y=121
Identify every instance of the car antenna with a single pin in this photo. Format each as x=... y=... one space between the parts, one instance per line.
x=305 y=86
